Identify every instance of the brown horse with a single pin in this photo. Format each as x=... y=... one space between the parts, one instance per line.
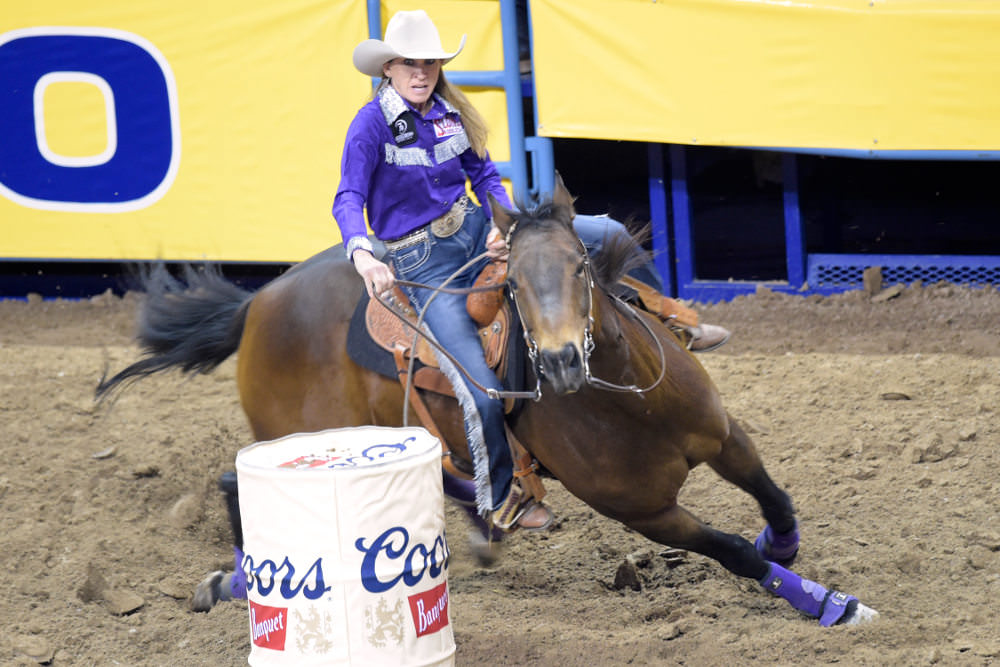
x=625 y=412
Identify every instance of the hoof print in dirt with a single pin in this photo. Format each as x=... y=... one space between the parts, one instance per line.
x=627 y=576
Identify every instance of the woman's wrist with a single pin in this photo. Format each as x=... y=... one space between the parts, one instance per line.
x=359 y=243
x=361 y=252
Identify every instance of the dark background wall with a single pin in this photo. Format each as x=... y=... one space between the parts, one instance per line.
x=848 y=205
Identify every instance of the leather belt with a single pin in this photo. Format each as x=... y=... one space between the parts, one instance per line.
x=413 y=238
x=441 y=227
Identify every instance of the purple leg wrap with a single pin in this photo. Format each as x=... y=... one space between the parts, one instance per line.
x=778 y=548
x=835 y=608
x=806 y=596
x=238 y=584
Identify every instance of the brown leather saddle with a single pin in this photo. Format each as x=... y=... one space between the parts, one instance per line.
x=488 y=309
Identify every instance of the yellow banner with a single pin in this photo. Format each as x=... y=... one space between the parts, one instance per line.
x=190 y=130
x=900 y=75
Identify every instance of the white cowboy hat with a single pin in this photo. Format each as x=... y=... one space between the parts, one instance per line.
x=408 y=35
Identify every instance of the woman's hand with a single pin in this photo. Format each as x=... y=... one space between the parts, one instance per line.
x=377 y=275
x=496 y=245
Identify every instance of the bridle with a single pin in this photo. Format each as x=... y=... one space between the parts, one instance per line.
x=533 y=349
x=588 y=333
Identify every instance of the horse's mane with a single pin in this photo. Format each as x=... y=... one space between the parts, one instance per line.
x=619 y=254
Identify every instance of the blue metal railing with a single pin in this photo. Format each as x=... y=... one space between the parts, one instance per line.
x=806 y=273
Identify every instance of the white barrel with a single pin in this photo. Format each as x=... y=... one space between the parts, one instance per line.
x=345 y=551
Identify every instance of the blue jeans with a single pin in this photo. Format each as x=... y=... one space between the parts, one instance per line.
x=431 y=262
x=594 y=230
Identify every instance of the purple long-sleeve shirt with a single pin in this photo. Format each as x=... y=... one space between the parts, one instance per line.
x=406 y=168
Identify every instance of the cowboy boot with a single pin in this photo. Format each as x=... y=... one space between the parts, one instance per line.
x=706 y=337
x=699 y=337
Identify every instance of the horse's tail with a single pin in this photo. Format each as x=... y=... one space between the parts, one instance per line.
x=193 y=324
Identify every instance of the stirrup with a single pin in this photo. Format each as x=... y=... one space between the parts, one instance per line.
x=515 y=507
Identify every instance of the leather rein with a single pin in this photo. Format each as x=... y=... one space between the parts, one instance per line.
x=533 y=352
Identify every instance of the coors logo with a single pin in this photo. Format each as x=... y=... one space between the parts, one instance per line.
x=284 y=578
x=392 y=552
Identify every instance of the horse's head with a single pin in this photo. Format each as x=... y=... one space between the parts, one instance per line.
x=549 y=278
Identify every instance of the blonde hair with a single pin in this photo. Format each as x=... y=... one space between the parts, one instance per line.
x=472 y=120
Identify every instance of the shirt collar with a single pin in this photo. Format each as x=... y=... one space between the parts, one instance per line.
x=393 y=105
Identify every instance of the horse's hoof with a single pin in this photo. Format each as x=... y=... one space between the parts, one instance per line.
x=487 y=552
x=213 y=588
x=860 y=615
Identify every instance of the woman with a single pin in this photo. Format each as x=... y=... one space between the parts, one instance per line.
x=406 y=158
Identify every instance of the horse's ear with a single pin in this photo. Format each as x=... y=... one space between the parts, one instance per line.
x=562 y=197
x=501 y=216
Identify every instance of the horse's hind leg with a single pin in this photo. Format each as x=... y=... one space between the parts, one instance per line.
x=739 y=463
x=220 y=586
x=678 y=528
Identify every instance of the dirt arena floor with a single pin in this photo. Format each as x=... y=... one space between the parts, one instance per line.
x=878 y=416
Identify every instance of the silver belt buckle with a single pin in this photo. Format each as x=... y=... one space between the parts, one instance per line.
x=450 y=222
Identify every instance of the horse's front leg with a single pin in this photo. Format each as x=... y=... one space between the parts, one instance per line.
x=678 y=528
x=738 y=463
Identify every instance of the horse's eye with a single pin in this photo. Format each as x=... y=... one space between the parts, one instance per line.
x=579 y=270
x=512 y=285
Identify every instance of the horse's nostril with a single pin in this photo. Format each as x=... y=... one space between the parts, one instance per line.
x=569 y=357
x=557 y=364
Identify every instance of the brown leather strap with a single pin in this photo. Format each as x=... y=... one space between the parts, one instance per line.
x=525 y=467
x=399 y=354
x=662 y=306
x=434 y=380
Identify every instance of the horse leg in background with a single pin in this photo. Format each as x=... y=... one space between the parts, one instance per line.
x=220 y=586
